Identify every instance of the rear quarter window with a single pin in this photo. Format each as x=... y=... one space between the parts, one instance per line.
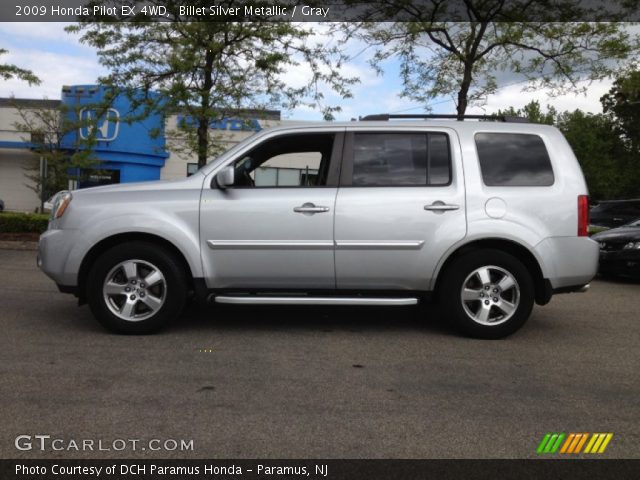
x=514 y=160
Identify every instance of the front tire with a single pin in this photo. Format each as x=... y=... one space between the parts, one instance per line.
x=487 y=294
x=136 y=288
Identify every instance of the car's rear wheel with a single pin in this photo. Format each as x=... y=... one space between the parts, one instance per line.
x=136 y=288
x=487 y=293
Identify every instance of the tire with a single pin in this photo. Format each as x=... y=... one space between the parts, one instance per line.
x=118 y=296
x=498 y=292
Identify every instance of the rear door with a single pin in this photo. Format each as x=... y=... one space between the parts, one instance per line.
x=400 y=206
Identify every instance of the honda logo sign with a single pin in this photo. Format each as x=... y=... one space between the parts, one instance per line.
x=105 y=128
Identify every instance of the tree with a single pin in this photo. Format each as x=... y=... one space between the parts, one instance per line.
x=608 y=164
x=605 y=159
x=458 y=48
x=46 y=129
x=8 y=71
x=533 y=112
x=210 y=70
x=622 y=106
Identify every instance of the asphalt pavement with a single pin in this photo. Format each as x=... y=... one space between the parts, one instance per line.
x=313 y=382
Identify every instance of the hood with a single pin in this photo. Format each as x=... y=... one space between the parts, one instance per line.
x=620 y=233
x=194 y=181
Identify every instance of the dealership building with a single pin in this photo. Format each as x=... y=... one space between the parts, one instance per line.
x=125 y=151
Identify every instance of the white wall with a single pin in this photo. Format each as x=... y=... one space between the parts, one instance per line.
x=13 y=182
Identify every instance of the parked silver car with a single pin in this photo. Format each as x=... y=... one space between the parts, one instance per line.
x=485 y=217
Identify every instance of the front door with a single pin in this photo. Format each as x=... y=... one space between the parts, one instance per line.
x=400 y=206
x=273 y=229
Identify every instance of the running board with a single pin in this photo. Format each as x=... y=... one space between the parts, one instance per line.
x=269 y=300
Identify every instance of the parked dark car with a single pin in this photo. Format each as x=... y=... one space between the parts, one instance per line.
x=614 y=213
x=1 y=206
x=620 y=250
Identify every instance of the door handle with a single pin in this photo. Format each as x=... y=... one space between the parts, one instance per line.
x=309 y=209
x=439 y=206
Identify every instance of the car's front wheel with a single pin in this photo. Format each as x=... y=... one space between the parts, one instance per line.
x=136 y=288
x=487 y=293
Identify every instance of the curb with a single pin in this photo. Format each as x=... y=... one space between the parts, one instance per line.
x=18 y=245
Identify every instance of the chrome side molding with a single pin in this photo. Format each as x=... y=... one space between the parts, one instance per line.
x=309 y=300
x=269 y=244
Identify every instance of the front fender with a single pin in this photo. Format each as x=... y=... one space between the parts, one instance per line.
x=169 y=227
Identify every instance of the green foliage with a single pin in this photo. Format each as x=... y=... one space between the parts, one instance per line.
x=23 y=222
x=622 y=106
x=463 y=59
x=533 y=112
x=610 y=167
x=606 y=162
x=210 y=70
x=8 y=71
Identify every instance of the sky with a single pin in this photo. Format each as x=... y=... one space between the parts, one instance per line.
x=59 y=58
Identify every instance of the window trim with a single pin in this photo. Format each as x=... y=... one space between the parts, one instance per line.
x=346 y=176
x=475 y=146
x=335 y=161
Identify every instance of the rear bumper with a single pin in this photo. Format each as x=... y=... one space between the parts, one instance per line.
x=568 y=262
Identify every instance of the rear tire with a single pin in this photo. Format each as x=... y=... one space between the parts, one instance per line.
x=487 y=294
x=120 y=299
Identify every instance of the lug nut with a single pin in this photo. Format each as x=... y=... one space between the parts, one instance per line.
x=132 y=297
x=127 y=289
x=141 y=294
x=481 y=294
x=133 y=282
x=486 y=302
x=495 y=299
x=487 y=287
x=142 y=285
x=495 y=290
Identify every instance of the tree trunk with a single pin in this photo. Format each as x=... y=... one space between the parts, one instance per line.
x=203 y=119
x=203 y=141
x=464 y=92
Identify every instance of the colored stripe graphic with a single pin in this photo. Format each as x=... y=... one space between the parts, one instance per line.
x=598 y=442
x=574 y=443
x=550 y=443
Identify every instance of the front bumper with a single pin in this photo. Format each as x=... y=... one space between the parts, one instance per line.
x=621 y=262
x=54 y=248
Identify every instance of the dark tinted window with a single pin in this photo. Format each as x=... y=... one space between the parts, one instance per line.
x=439 y=159
x=513 y=159
x=401 y=159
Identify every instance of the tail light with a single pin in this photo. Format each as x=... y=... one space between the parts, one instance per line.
x=583 y=215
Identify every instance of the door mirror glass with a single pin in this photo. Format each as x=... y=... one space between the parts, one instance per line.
x=226 y=177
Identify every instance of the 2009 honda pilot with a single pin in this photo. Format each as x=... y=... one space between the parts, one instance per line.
x=484 y=217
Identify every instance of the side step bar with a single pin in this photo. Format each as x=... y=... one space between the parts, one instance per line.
x=282 y=300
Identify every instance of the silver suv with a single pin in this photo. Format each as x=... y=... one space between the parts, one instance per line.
x=484 y=217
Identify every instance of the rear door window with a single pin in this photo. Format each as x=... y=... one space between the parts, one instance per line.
x=514 y=159
x=401 y=159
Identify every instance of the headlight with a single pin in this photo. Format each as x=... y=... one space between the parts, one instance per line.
x=631 y=245
x=62 y=201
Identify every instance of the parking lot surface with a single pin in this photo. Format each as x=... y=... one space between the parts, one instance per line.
x=316 y=382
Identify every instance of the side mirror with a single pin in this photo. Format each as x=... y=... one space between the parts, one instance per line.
x=226 y=177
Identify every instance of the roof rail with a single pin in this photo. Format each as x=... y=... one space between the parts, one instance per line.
x=495 y=118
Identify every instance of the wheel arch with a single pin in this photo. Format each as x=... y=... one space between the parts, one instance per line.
x=106 y=243
x=543 y=290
